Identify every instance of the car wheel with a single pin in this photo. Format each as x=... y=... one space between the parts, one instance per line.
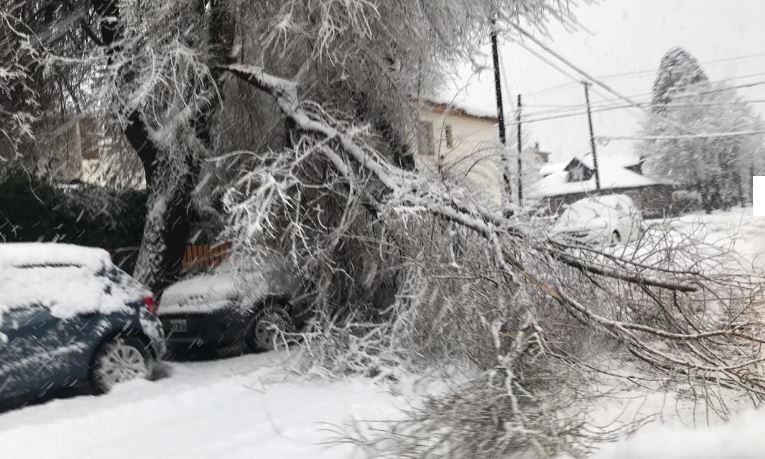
x=615 y=238
x=118 y=360
x=263 y=332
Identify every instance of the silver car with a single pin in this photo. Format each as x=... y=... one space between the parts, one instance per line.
x=231 y=304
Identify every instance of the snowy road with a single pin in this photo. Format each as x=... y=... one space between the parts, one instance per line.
x=243 y=407
x=736 y=228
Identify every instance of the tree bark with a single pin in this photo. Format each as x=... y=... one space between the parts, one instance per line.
x=172 y=181
x=170 y=185
x=168 y=221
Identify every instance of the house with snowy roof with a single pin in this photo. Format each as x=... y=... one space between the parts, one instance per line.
x=461 y=141
x=563 y=183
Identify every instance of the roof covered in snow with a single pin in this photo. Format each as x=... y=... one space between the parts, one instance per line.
x=613 y=175
x=622 y=159
x=464 y=108
x=551 y=168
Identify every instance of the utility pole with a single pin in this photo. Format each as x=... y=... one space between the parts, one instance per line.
x=520 y=150
x=592 y=135
x=507 y=193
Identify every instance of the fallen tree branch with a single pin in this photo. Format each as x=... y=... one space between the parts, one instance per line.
x=635 y=278
x=399 y=181
x=512 y=247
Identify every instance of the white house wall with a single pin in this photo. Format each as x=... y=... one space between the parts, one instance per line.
x=474 y=154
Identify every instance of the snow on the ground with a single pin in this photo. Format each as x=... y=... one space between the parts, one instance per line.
x=741 y=438
x=682 y=430
x=736 y=228
x=242 y=407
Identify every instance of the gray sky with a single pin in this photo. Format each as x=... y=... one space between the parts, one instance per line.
x=618 y=36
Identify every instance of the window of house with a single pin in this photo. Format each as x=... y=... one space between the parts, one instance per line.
x=577 y=174
x=425 y=138
x=449 y=136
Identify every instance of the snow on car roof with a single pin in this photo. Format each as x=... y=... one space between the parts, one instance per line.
x=245 y=281
x=52 y=254
x=62 y=278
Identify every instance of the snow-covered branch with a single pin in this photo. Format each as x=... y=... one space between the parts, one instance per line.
x=512 y=247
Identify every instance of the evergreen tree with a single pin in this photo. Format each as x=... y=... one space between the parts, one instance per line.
x=688 y=115
x=678 y=72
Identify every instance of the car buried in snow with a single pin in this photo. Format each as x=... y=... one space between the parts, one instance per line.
x=70 y=318
x=238 y=302
x=600 y=220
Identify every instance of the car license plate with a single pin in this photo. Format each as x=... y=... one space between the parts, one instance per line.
x=179 y=325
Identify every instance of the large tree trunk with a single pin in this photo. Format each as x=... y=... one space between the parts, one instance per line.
x=170 y=183
x=168 y=222
x=171 y=177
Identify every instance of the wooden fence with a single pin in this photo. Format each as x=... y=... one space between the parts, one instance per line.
x=204 y=256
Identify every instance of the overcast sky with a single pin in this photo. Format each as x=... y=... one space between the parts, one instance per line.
x=618 y=36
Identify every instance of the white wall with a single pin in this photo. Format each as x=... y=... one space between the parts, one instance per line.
x=474 y=155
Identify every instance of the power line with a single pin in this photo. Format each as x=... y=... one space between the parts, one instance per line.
x=572 y=65
x=708 y=135
x=726 y=88
x=561 y=108
x=572 y=85
x=580 y=109
x=546 y=61
x=556 y=67
x=600 y=83
x=714 y=61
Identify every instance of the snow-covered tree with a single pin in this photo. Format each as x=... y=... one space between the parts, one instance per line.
x=18 y=96
x=687 y=132
x=158 y=71
x=678 y=72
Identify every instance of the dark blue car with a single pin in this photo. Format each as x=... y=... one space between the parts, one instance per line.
x=68 y=316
